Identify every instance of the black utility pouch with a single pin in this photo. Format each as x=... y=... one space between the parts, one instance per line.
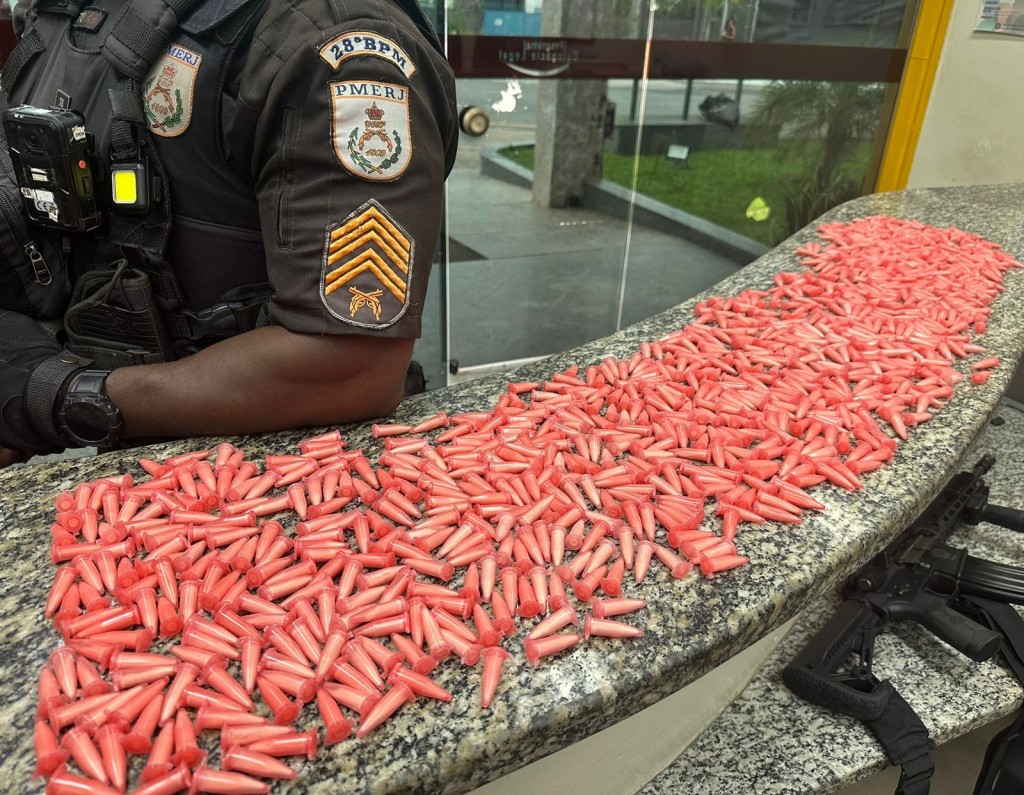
x=33 y=275
x=114 y=320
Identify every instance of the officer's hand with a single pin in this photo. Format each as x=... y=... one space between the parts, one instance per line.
x=24 y=345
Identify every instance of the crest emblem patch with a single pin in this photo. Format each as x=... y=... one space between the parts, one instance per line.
x=367 y=267
x=371 y=131
x=168 y=89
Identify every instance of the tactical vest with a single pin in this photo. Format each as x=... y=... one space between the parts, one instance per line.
x=199 y=246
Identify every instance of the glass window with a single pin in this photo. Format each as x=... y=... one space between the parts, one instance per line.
x=623 y=156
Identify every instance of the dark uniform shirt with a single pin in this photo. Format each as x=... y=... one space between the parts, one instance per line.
x=306 y=143
x=350 y=130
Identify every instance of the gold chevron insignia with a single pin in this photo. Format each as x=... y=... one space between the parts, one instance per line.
x=370 y=245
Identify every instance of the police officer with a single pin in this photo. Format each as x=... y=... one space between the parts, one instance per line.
x=267 y=177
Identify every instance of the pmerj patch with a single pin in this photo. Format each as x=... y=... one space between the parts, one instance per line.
x=363 y=42
x=367 y=268
x=371 y=128
x=167 y=93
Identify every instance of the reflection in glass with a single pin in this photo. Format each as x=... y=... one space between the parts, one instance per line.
x=826 y=128
x=862 y=23
x=594 y=198
x=800 y=147
x=851 y=23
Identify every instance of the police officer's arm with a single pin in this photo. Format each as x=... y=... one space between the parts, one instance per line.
x=268 y=379
x=265 y=380
x=9 y=456
x=348 y=133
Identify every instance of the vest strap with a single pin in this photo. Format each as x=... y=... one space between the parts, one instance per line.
x=30 y=45
x=128 y=136
x=139 y=36
x=126 y=112
x=144 y=40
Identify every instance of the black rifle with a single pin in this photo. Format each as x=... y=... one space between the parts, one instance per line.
x=918 y=578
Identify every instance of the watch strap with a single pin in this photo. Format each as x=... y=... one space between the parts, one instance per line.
x=44 y=388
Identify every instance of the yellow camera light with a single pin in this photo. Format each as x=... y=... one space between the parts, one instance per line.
x=125 y=186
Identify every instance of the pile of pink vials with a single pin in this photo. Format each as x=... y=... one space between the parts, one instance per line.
x=224 y=595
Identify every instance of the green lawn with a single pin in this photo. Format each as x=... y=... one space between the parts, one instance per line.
x=718 y=184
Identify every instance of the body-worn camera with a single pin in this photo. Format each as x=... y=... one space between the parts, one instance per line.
x=53 y=163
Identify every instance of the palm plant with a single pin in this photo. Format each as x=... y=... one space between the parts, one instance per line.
x=824 y=119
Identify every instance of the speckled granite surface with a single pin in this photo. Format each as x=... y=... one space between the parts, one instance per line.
x=693 y=625
x=770 y=741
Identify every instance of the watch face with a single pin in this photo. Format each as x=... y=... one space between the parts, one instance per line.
x=87 y=421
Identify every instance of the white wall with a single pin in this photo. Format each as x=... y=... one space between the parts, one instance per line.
x=973 y=131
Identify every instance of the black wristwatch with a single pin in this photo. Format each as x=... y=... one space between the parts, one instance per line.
x=86 y=417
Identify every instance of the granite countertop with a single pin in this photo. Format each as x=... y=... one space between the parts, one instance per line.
x=691 y=625
x=768 y=740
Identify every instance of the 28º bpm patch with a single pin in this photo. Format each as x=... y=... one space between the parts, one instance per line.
x=364 y=42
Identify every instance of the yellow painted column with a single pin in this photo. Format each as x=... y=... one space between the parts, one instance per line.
x=914 y=92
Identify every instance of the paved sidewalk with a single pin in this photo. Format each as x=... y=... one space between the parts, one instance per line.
x=532 y=281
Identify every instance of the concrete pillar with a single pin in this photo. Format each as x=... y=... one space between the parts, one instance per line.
x=570 y=114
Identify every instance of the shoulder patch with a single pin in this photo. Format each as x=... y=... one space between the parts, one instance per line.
x=371 y=130
x=367 y=268
x=349 y=45
x=168 y=89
